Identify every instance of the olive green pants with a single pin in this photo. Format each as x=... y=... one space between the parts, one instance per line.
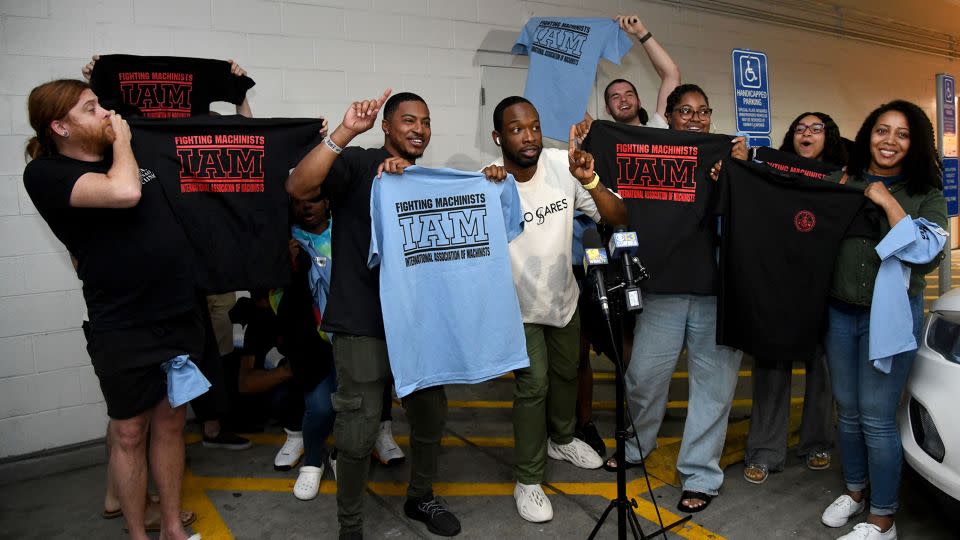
x=545 y=395
x=363 y=370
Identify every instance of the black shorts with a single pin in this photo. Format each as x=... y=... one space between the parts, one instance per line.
x=127 y=360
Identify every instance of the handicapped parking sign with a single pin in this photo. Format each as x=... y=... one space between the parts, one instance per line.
x=751 y=91
x=748 y=70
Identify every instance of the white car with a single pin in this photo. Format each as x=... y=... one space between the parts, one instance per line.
x=930 y=413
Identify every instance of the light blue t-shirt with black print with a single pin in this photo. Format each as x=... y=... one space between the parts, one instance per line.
x=450 y=309
x=564 y=54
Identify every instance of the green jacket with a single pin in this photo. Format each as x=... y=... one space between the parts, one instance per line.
x=858 y=263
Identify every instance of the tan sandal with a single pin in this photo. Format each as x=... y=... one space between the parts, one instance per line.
x=756 y=473
x=818 y=461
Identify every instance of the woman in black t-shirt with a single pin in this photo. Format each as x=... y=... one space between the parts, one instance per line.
x=668 y=323
x=811 y=135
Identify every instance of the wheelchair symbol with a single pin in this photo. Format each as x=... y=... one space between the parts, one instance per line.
x=750 y=71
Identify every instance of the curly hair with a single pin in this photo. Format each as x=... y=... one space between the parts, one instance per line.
x=681 y=91
x=921 y=166
x=834 y=150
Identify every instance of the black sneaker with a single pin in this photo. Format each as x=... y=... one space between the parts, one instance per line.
x=588 y=434
x=432 y=510
x=226 y=441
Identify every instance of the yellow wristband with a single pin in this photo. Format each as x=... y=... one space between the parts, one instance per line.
x=595 y=183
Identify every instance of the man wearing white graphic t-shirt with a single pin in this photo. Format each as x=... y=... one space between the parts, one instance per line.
x=552 y=184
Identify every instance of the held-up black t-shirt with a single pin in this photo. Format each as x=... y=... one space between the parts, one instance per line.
x=135 y=263
x=664 y=179
x=781 y=234
x=224 y=177
x=353 y=306
x=792 y=164
x=165 y=86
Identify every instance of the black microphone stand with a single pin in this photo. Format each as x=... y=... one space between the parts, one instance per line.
x=624 y=504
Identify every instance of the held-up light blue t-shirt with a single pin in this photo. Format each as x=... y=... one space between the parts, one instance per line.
x=450 y=310
x=563 y=65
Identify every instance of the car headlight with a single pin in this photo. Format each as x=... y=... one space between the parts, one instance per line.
x=925 y=431
x=943 y=336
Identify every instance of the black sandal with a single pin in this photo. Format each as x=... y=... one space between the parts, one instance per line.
x=614 y=468
x=694 y=495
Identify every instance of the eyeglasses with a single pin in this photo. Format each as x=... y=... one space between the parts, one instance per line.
x=815 y=128
x=686 y=112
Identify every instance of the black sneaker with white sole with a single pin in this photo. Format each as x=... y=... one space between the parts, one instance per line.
x=227 y=441
x=433 y=511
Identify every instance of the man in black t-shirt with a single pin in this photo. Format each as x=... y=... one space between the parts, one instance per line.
x=137 y=283
x=353 y=311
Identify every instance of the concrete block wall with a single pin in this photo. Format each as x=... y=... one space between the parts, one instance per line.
x=313 y=57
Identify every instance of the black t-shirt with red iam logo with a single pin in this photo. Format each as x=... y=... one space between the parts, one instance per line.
x=224 y=177
x=780 y=237
x=165 y=86
x=786 y=162
x=135 y=263
x=664 y=178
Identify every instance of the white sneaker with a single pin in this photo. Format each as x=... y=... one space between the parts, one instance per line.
x=290 y=452
x=869 y=531
x=308 y=482
x=333 y=465
x=532 y=503
x=386 y=450
x=840 y=510
x=577 y=452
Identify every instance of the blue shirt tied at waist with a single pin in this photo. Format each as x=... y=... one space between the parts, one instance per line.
x=318 y=247
x=915 y=241
x=184 y=380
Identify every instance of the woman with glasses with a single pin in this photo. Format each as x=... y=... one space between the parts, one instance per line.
x=667 y=324
x=813 y=135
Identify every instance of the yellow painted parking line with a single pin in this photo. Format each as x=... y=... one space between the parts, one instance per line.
x=598 y=405
x=277 y=439
x=209 y=522
x=608 y=375
x=211 y=525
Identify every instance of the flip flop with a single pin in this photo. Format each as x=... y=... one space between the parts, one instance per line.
x=694 y=495
x=614 y=468
x=114 y=514
x=111 y=514
x=187 y=517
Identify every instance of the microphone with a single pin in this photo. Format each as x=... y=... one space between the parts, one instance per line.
x=623 y=246
x=594 y=259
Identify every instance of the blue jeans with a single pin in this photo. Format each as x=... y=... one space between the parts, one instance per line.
x=318 y=419
x=666 y=325
x=867 y=401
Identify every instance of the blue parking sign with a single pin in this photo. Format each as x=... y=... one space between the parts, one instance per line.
x=751 y=91
x=951 y=168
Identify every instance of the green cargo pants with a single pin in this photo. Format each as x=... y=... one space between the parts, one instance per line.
x=363 y=370
x=545 y=395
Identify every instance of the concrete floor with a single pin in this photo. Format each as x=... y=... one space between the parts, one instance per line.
x=239 y=495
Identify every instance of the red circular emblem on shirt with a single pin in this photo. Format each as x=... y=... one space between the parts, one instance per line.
x=804 y=221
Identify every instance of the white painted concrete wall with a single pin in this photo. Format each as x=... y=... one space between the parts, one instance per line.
x=312 y=57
